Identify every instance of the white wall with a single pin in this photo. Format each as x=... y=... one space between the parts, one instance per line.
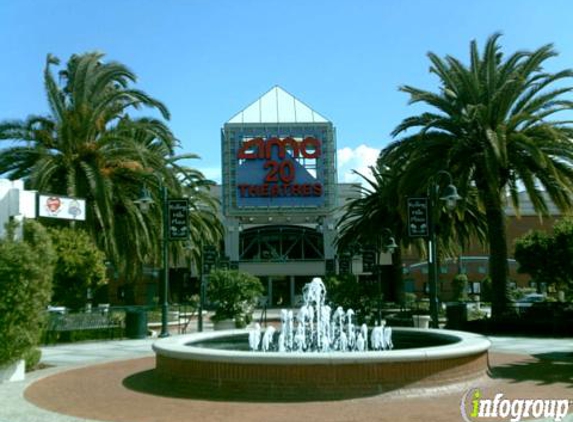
x=15 y=202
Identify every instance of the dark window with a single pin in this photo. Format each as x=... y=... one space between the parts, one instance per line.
x=281 y=243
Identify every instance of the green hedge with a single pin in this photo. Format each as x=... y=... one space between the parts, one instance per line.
x=92 y=334
x=25 y=287
x=32 y=358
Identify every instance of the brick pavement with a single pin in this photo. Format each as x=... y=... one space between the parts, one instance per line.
x=127 y=391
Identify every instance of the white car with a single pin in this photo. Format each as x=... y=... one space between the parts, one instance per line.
x=529 y=300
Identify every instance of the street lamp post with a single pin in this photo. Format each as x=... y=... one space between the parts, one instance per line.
x=144 y=201
x=450 y=196
x=389 y=246
x=201 y=291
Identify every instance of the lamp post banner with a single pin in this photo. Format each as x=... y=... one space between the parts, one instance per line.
x=178 y=218
x=368 y=260
x=209 y=258
x=345 y=264
x=418 y=221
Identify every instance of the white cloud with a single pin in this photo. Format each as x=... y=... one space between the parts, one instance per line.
x=345 y=155
x=359 y=159
x=211 y=173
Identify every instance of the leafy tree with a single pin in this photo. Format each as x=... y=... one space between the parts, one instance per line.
x=79 y=267
x=26 y=268
x=490 y=126
x=547 y=257
x=533 y=253
x=95 y=144
x=563 y=251
x=370 y=219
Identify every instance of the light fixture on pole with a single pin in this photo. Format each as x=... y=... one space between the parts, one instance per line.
x=390 y=245
x=450 y=196
x=144 y=202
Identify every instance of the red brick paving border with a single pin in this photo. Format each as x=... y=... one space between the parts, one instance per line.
x=100 y=392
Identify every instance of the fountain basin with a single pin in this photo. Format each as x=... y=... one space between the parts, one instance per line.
x=202 y=369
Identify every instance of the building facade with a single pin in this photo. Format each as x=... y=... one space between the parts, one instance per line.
x=280 y=194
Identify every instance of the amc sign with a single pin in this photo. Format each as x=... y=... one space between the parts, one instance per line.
x=279 y=172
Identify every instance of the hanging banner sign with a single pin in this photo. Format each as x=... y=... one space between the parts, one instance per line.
x=418 y=222
x=61 y=207
x=368 y=260
x=345 y=264
x=178 y=219
x=210 y=255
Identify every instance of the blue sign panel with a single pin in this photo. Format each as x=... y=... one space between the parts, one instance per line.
x=285 y=171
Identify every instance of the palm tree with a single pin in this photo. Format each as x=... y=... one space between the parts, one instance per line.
x=490 y=127
x=382 y=205
x=90 y=145
x=371 y=218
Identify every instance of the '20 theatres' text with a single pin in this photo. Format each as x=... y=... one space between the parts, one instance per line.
x=280 y=174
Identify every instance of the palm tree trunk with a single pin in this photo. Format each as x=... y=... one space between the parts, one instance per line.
x=498 y=268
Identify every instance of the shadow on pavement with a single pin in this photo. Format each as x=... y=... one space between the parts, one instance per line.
x=149 y=382
x=545 y=369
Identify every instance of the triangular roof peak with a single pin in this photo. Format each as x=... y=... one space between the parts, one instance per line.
x=277 y=106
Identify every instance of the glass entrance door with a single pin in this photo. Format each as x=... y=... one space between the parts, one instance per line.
x=281 y=292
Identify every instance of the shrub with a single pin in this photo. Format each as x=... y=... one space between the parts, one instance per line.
x=26 y=268
x=410 y=299
x=234 y=294
x=32 y=358
x=347 y=291
x=460 y=287
x=486 y=290
x=79 y=267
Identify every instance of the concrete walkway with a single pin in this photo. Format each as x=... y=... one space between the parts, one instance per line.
x=15 y=408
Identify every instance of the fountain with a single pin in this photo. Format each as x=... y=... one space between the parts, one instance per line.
x=319 y=354
x=317 y=329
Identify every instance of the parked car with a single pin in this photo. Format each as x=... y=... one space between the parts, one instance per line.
x=57 y=309
x=529 y=299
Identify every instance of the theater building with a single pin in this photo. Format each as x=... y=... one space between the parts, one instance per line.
x=280 y=194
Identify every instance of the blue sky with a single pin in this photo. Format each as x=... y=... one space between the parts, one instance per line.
x=208 y=59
